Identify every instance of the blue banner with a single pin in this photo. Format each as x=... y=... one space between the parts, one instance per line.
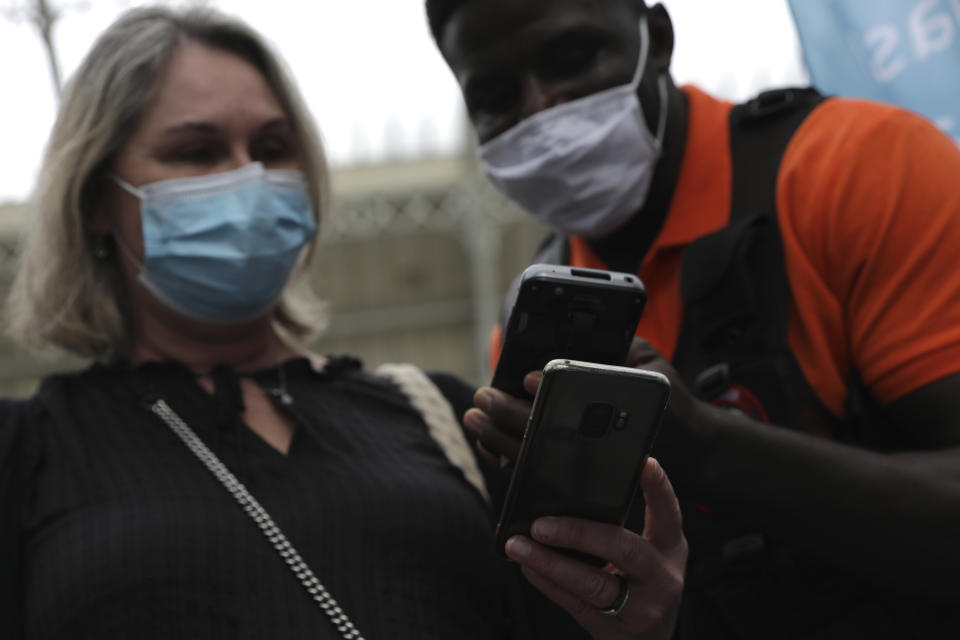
x=902 y=51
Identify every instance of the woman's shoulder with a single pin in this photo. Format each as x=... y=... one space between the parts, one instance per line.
x=399 y=385
x=21 y=420
x=16 y=412
x=456 y=391
x=51 y=391
x=15 y=415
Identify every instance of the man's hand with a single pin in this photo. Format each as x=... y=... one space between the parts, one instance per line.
x=688 y=423
x=651 y=566
x=498 y=420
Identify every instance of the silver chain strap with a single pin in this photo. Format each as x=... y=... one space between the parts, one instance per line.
x=259 y=515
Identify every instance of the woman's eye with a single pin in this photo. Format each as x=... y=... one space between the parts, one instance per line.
x=200 y=154
x=272 y=150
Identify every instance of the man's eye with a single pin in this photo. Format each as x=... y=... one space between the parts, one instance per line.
x=492 y=99
x=570 y=57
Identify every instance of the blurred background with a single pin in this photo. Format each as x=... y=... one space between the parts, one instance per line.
x=419 y=248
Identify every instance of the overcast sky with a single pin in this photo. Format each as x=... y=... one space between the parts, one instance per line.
x=370 y=72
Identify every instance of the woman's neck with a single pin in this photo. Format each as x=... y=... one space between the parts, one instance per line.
x=200 y=347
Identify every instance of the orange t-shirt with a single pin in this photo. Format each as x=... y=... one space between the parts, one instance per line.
x=868 y=198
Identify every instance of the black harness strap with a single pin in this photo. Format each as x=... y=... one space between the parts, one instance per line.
x=734 y=283
x=760 y=131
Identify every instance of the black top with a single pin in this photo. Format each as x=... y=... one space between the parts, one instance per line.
x=125 y=534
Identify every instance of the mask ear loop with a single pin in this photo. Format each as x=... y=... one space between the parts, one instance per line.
x=664 y=103
x=127 y=252
x=138 y=194
x=126 y=186
x=661 y=81
x=644 y=33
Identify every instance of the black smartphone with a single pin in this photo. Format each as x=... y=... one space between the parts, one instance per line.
x=567 y=312
x=590 y=431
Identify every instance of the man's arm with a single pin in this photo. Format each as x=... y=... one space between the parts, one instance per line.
x=893 y=519
x=931 y=415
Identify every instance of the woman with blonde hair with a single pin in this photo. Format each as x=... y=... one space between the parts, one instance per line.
x=206 y=476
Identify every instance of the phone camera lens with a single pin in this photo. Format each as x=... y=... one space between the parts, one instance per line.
x=596 y=419
x=621 y=422
x=558 y=291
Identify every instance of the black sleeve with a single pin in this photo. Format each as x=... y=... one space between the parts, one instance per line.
x=18 y=459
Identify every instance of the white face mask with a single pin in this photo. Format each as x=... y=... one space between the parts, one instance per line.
x=583 y=167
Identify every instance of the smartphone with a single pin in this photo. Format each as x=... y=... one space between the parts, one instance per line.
x=567 y=312
x=590 y=431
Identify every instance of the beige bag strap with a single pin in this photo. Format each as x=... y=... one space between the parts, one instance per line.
x=441 y=422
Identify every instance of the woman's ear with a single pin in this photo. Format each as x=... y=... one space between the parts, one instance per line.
x=661 y=37
x=98 y=207
x=100 y=222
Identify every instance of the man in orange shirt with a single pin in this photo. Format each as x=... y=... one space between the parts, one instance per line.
x=835 y=316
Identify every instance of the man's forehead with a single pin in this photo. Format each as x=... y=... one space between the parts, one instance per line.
x=479 y=28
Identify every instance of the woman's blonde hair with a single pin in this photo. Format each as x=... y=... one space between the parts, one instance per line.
x=63 y=296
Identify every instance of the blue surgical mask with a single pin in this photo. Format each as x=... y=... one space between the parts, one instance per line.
x=221 y=248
